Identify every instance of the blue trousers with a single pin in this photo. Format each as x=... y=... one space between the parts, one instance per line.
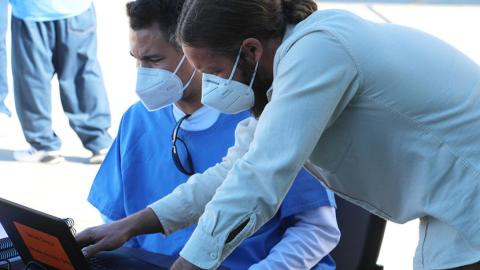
x=3 y=56
x=68 y=48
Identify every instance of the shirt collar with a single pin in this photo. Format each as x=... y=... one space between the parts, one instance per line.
x=288 y=32
x=201 y=119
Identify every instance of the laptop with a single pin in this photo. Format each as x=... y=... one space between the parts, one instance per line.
x=8 y=254
x=47 y=241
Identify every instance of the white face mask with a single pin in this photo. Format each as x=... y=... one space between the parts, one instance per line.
x=158 y=88
x=227 y=95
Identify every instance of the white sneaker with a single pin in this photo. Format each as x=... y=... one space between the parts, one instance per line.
x=98 y=157
x=41 y=156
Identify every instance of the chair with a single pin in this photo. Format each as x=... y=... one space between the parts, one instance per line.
x=362 y=235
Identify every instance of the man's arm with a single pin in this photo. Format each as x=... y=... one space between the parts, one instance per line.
x=113 y=235
x=175 y=211
x=315 y=81
x=186 y=203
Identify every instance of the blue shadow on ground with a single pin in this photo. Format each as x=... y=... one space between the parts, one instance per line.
x=6 y=155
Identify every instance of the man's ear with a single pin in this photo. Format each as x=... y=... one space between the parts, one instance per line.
x=252 y=50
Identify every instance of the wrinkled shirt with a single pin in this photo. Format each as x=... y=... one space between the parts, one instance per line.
x=387 y=115
x=139 y=169
x=48 y=10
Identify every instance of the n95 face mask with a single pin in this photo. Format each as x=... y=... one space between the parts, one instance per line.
x=227 y=95
x=158 y=88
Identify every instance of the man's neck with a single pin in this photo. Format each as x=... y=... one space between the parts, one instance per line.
x=191 y=100
x=188 y=107
x=201 y=119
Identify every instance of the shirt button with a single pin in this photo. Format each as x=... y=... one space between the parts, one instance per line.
x=213 y=256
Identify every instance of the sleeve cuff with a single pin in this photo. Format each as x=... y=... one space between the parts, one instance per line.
x=206 y=249
x=167 y=212
x=202 y=250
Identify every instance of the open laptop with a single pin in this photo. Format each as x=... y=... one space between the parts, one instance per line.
x=47 y=241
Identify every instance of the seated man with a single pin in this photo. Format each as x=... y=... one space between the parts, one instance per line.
x=156 y=151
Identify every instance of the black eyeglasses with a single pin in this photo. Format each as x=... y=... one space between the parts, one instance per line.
x=188 y=168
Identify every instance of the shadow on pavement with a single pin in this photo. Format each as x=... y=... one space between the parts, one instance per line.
x=77 y=159
x=6 y=155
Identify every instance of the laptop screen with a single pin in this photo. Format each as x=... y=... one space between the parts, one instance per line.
x=3 y=233
x=45 y=239
x=44 y=247
x=40 y=237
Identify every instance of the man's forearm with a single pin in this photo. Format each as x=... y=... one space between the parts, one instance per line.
x=182 y=264
x=113 y=235
x=142 y=222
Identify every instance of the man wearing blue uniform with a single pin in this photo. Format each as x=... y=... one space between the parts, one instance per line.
x=58 y=37
x=160 y=144
x=3 y=57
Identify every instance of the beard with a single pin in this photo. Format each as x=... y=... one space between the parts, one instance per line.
x=260 y=86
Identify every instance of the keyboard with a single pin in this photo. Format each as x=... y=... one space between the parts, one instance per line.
x=96 y=264
x=7 y=251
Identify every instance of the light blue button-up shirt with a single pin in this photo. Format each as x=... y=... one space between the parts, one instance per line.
x=389 y=116
x=48 y=10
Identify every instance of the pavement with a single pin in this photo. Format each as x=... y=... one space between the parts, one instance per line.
x=61 y=189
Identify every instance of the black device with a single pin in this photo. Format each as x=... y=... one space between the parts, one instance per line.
x=46 y=240
x=8 y=253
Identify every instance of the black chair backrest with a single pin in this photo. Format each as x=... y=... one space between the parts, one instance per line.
x=362 y=235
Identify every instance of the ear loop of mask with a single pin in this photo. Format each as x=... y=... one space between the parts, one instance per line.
x=178 y=67
x=179 y=64
x=190 y=80
x=235 y=65
x=235 y=68
x=253 y=76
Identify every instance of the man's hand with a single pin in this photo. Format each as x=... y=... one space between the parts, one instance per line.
x=104 y=237
x=113 y=235
x=182 y=264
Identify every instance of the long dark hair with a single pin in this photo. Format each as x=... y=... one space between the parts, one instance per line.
x=221 y=25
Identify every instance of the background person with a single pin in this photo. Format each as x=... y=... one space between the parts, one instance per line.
x=4 y=111
x=58 y=37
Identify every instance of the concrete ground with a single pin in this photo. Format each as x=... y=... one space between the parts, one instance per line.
x=61 y=189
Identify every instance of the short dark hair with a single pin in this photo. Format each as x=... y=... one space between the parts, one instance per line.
x=145 y=13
